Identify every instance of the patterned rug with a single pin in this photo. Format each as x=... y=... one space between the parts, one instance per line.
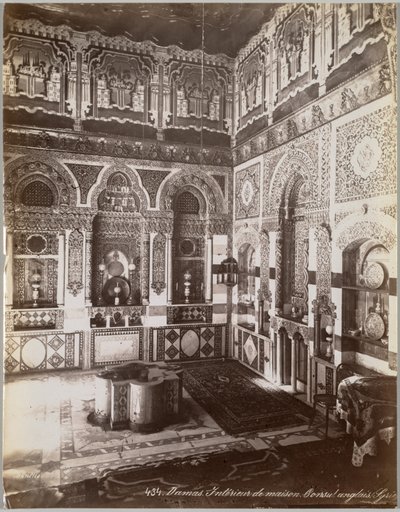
x=239 y=400
x=317 y=475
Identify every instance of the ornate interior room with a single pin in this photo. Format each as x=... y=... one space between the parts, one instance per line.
x=200 y=210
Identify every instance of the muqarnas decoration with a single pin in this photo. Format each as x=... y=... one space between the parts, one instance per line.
x=75 y=262
x=158 y=284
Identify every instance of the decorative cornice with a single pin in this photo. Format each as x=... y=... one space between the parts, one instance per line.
x=140 y=149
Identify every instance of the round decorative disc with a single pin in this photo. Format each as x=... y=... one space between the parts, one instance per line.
x=115 y=268
x=187 y=247
x=374 y=326
x=36 y=244
x=374 y=275
x=109 y=292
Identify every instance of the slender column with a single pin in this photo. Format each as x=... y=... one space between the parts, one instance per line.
x=294 y=365
x=309 y=377
x=169 y=270
x=279 y=359
x=145 y=269
x=9 y=268
x=61 y=270
x=273 y=359
x=209 y=270
x=278 y=272
x=88 y=268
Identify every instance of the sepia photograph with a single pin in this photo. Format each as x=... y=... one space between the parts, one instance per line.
x=200 y=243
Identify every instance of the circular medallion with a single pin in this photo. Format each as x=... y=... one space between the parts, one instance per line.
x=374 y=275
x=247 y=192
x=374 y=326
x=109 y=293
x=190 y=343
x=36 y=244
x=33 y=353
x=187 y=247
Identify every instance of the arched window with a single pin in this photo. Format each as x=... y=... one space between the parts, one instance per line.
x=187 y=203
x=37 y=193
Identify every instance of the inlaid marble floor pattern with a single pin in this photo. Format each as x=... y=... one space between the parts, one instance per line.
x=48 y=441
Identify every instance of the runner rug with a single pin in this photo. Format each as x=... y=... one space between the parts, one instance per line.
x=239 y=400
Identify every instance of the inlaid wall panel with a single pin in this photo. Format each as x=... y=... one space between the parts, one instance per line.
x=116 y=346
x=187 y=342
x=26 y=352
x=254 y=351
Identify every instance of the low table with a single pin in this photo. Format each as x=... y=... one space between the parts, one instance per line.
x=144 y=397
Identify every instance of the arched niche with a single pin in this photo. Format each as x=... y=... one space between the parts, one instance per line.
x=301 y=362
x=22 y=172
x=286 y=356
x=365 y=245
x=188 y=246
x=130 y=196
x=294 y=275
x=246 y=285
x=365 y=295
x=200 y=184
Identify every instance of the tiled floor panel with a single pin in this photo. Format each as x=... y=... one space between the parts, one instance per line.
x=48 y=441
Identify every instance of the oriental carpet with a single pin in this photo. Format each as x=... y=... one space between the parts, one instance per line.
x=239 y=400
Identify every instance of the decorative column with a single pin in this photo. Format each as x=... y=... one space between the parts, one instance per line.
x=294 y=365
x=273 y=359
x=309 y=377
x=88 y=268
x=317 y=328
x=209 y=275
x=61 y=269
x=170 y=282
x=145 y=268
x=279 y=380
x=278 y=272
x=9 y=268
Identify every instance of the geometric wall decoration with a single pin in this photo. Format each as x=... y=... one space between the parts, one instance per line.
x=75 y=262
x=43 y=351
x=252 y=350
x=31 y=319
x=247 y=195
x=158 y=284
x=86 y=176
x=187 y=342
x=190 y=313
x=151 y=181
x=110 y=346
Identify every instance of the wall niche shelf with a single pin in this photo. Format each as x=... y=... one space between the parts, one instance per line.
x=366 y=294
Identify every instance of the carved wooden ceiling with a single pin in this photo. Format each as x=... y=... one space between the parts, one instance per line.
x=227 y=28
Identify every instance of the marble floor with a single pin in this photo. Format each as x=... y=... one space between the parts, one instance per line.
x=48 y=441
